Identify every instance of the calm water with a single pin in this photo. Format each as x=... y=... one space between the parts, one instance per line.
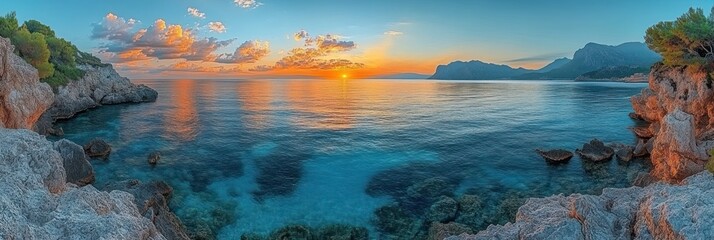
x=253 y=156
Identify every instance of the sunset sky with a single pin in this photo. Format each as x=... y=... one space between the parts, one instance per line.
x=278 y=39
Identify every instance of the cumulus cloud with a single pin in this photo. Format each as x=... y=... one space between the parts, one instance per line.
x=247 y=3
x=248 y=52
x=314 y=55
x=160 y=40
x=302 y=34
x=393 y=33
x=196 y=13
x=114 y=28
x=216 y=27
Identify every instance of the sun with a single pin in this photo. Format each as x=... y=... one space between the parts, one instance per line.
x=344 y=76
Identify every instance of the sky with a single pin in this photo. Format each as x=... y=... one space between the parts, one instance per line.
x=336 y=38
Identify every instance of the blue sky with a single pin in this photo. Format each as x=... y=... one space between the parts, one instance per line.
x=432 y=32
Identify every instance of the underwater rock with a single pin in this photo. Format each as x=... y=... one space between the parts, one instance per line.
x=443 y=230
x=293 y=232
x=152 y=199
x=395 y=222
x=97 y=148
x=76 y=163
x=342 y=232
x=596 y=151
x=443 y=210
x=279 y=174
x=423 y=194
x=658 y=211
x=154 y=157
x=470 y=211
x=556 y=155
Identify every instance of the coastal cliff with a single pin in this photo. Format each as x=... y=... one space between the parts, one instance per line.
x=23 y=98
x=658 y=211
x=678 y=107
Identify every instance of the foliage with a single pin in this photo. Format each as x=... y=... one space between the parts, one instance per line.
x=35 y=26
x=8 y=25
x=33 y=48
x=56 y=59
x=710 y=163
x=689 y=40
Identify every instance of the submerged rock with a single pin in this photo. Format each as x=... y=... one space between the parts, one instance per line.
x=422 y=194
x=443 y=210
x=625 y=153
x=443 y=230
x=37 y=203
x=596 y=151
x=23 y=98
x=294 y=232
x=97 y=148
x=154 y=158
x=658 y=211
x=555 y=156
x=76 y=163
x=342 y=232
x=395 y=222
x=470 y=211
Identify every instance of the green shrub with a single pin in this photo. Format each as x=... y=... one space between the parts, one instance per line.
x=8 y=25
x=35 y=26
x=33 y=48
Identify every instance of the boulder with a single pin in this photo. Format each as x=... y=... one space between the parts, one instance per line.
x=658 y=211
x=443 y=210
x=152 y=200
x=643 y=132
x=154 y=157
x=640 y=149
x=97 y=148
x=76 y=163
x=555 y=156
x=23 y=98
x=596 y=151
x=625 y=153
x=38 y=203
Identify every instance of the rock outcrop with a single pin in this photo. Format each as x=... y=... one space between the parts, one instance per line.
x=101 y=85
x=76 y=163
x=23 y=98
x=37 y=203
x=679 y=105
x=658 y=211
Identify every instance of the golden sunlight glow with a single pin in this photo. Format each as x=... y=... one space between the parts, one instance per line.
x=344 y=76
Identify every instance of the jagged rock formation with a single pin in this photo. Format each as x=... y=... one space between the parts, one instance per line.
x=658 y=211
x=76 y=163
x=23 y=98
x=679 y=105
x=37 y=203
x=101 y=85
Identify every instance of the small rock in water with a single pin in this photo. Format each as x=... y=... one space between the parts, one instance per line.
x=97 y=148
x=636 y=116
x=625 y=153
x=154 y=158
x=596 y=151
x=555 y=156
x=643 y=132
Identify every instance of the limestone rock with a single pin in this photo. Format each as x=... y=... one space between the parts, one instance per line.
x=97 y=148
x=677 y=144
x=154 y=158
x=596 y=151
x=76 y=163
x=37 y=203
x=658 y=211
x=555 y=156
x=23 y=98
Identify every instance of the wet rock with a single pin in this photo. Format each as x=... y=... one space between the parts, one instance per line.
x=23 y=98
x=294 y=232
x=658 y=211
x=625 y=153
x=443 y=210
x=640 y=149
x=643 y=132
x=555 y=156
x=635 y=116
x=596 y=151
x=342 y=232
x=76 y=163
x=38 y=203
x=154 y=158
x=470 y=211
x=643 y=180
x=97 y=148
x=152 y=200
x=444 y=230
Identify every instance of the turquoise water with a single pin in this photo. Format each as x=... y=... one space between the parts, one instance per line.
x=253 y=156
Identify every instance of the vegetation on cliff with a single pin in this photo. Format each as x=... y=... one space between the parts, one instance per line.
x=689 y=40
x=56 y=59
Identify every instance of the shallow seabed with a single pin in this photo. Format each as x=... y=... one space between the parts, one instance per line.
x=253 y=156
